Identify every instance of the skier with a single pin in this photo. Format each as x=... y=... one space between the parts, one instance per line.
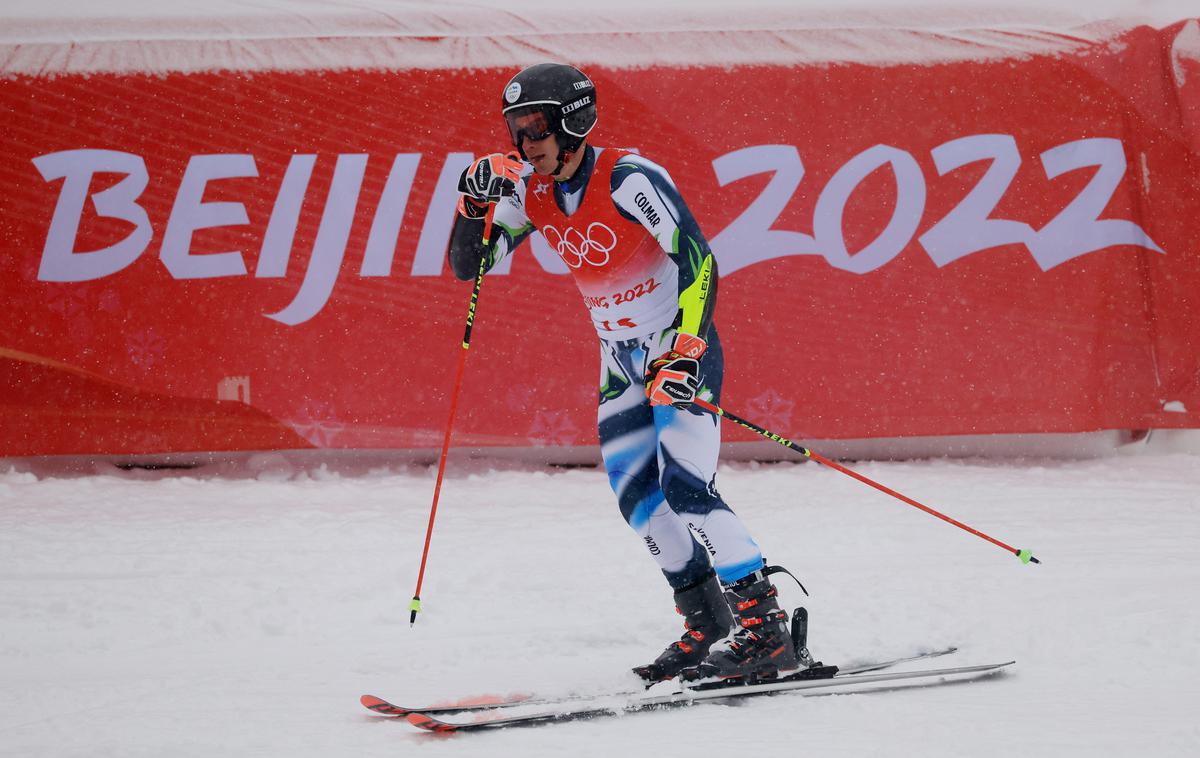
x=649 y=281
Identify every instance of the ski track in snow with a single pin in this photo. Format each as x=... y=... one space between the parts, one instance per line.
x=199 y=615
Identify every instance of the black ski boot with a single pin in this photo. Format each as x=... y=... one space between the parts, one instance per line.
x=761 y=645
x=707 y=618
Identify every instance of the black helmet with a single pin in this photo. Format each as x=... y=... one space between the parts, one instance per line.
x=562 y=93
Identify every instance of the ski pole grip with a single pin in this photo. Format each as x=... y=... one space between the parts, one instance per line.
x=487 y=224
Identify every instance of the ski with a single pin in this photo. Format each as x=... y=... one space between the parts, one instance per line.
x=481 y=703
x=864 y=668
x=869 y=681
x=490 y=702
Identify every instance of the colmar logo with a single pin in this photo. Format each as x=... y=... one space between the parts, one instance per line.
x=643 y=202
x=576 y=248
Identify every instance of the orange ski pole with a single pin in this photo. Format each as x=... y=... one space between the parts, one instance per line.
x=1024 y=555
x=415 y=606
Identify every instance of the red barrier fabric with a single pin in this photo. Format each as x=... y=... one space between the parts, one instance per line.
x=1000 y=246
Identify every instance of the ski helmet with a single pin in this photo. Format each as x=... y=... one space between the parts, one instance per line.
x=562 y=93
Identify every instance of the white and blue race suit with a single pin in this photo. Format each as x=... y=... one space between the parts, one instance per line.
x=661 y=461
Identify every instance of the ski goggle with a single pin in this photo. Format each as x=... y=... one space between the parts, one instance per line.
x=533 y=124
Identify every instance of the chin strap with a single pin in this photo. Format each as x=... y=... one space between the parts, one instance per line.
x=564 y=157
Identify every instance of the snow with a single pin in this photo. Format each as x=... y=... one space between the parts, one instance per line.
x=72 y=36
x=241 y=610
x=1186 y=47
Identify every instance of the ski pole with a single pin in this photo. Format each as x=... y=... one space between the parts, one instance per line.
x=1024 y=555
x=415 y=606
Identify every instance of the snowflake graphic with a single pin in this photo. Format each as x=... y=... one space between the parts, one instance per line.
x=24 y=267
x=69 y=302
x=146 y=348
x=552 y=429
x=109 y=301
x=316 y=422
x=521 y=397
x=82 y=331
x=80 y=306
x=775 y=410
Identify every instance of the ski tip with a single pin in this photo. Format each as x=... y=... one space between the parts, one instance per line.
x=381 y=706
x=429 y=724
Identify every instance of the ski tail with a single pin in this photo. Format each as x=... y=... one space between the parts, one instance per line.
x=430 y=724
x=381 y=706
x=477 y=703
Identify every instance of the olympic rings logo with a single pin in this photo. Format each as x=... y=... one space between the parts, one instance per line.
x=575 y=248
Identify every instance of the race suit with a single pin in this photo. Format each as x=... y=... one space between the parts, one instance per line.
x=645 y=272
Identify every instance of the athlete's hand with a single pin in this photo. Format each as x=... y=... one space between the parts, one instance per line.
x=487 y=180
x=674 y=377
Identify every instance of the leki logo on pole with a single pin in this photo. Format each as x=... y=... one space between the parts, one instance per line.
x=576 y=249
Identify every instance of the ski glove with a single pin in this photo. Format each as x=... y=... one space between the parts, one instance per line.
x=488 y=180
x=674 y=377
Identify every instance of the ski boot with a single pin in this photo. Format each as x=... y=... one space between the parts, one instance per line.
x=762 y=644
x=707 y=619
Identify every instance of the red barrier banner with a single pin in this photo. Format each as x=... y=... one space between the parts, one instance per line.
x=249 y=260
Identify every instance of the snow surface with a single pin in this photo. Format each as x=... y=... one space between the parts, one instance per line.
x=224 y=613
